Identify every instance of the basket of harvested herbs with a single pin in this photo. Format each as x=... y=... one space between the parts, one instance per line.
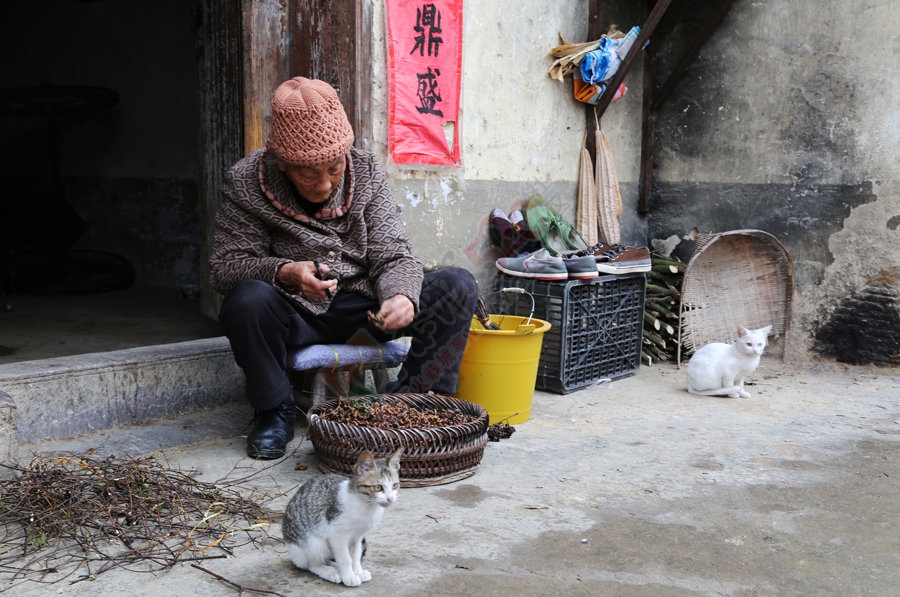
x=443 y=437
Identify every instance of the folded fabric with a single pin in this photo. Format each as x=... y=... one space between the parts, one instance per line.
x=601 y=64
x=335 y=356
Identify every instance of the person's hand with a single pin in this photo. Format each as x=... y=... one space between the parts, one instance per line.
x=396 y=312
x=302 y=275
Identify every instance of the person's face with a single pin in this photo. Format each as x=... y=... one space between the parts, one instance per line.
x=315 y=183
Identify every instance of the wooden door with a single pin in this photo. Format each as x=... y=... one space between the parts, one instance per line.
x=317 y=39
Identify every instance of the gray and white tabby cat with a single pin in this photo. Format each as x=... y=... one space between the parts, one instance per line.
x=719 y=369
x=325 y=522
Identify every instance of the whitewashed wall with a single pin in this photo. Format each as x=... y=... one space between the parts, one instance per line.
x=521 y=132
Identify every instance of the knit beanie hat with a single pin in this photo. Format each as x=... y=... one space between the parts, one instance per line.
x=309 y=125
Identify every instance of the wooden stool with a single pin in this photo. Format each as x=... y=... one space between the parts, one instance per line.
x=328 y=370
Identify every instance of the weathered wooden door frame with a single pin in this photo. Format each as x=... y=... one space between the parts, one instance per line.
x=318 y=39
x=219 y=109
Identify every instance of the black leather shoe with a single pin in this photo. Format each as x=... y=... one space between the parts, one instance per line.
x=272 y=430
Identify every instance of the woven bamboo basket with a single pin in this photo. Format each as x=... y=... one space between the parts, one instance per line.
x=741 y=277
x=430 y=457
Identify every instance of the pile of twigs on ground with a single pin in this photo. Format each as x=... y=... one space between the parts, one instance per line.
x=661 y=309
x=65 y=514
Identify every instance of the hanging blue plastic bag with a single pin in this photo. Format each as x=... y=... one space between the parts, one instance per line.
x=600 y=64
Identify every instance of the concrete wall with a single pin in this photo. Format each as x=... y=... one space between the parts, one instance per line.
x=521 y=131
x=786 y=122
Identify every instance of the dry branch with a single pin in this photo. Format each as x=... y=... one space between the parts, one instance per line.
x=63 y=514
x=662 y=302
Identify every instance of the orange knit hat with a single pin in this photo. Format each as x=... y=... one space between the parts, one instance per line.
x=309 y=124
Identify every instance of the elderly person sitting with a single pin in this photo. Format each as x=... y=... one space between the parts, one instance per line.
x=309 y=248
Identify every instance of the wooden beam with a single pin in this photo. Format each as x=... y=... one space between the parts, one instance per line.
x=646 y=31
x=595 y=31
x=364 y=75
x=645 y=178
x=220 y=108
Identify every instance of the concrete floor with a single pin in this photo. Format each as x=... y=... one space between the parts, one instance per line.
x=633 y=488
x=46 y=326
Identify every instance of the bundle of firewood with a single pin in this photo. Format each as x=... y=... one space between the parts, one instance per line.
x=662 y=306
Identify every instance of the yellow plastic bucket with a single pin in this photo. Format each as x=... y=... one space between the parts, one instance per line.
x=499 y=367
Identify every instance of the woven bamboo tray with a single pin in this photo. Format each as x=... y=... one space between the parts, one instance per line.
x=741 y=277
x=430 y=457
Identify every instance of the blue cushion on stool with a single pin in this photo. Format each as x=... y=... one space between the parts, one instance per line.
x=337 y=356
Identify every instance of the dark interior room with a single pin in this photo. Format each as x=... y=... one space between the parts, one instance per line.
x=99 y=230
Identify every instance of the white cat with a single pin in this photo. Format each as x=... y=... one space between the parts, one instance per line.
x=325 y=523
x=719 y=369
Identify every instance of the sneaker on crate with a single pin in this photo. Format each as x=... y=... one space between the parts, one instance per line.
x=624 y=260
x=540 y=265
x=596 y=251
x=582 y=267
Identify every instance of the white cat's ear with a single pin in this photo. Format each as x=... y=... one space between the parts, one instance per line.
x=767 y=330
x=742 y=331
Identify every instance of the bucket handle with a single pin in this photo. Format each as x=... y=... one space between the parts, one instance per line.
x=517 y=290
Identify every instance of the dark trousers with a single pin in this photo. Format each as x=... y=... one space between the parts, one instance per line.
x=261 y=323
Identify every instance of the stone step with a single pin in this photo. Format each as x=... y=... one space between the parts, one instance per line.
x=66 y=396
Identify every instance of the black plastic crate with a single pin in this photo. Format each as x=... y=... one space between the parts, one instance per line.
x=597 y=326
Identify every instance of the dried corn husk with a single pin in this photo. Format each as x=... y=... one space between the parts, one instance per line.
x=609 y=199
x=587 y=198
x=567 y=56
x=611 y=177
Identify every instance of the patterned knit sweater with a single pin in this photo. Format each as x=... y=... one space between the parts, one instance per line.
x=364 y=242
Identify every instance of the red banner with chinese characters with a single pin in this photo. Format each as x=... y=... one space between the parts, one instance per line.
x=425 y=67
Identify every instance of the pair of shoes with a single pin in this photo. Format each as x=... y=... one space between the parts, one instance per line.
x=580 y=267
x=510 y=234
x=544 y=266
x=624 y=260
x=616 y=259
x=526 y=241
x=501 y=229
x=556 y=234
x=272 y=430
x=540 y=264
x=596 y=251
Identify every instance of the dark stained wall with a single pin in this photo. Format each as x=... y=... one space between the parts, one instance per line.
x=783 y=122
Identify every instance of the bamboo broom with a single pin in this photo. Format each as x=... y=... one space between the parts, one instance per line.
x=609 y=198
x=587 y=198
